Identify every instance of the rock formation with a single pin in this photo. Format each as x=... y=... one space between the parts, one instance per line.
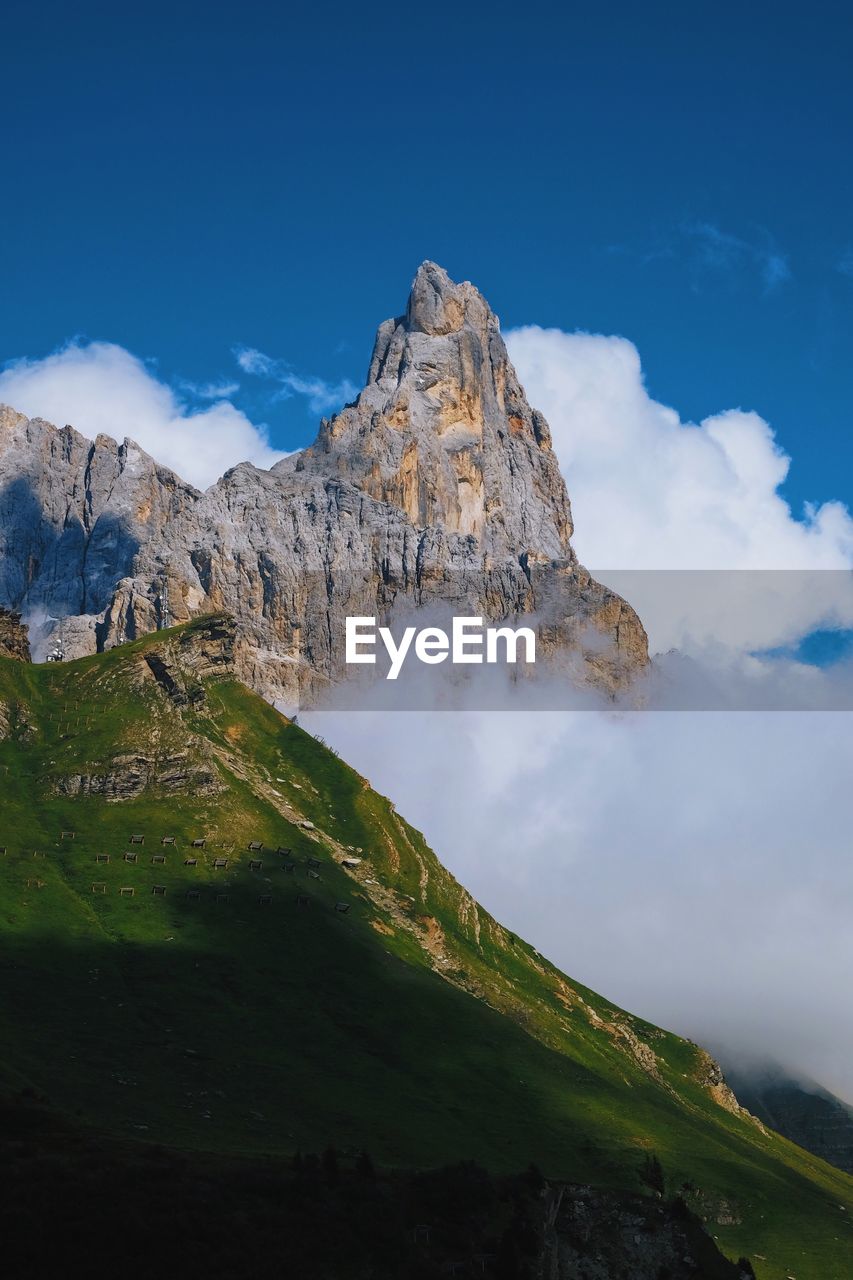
x=443 y=431
x=14 y=642
x=73 y=516
x=436 y=489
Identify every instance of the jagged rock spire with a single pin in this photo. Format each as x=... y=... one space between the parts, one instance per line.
x=436 y=305
x=443 y=429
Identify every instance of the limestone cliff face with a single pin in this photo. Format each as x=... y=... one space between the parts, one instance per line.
x=444 y=433
x=73 y=516
x=436 y=489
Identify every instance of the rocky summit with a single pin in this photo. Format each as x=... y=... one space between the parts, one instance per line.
x=444 y=433
x=437 y=488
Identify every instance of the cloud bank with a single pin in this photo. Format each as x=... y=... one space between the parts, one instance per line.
x=101 y=387
x=322 y=396
x=693 y=867
x=652 y=492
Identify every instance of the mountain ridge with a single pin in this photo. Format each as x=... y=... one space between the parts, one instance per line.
x=436 y=487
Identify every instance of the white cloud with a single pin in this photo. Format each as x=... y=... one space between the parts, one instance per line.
x=691 y=867
x=718 y=250
x=210 y=390
x=707 y=251
x=322 y=396
x=101 y=387
x=652 y=492
x=845 y=263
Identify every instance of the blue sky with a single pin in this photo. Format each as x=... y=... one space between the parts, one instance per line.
x=188 y=179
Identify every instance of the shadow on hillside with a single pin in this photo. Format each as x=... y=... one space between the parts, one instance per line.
x=70 y=1198
x=249 y=1041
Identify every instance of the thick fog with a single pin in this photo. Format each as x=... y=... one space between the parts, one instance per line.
x=693 y=867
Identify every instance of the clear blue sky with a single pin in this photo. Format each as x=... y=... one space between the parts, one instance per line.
x=185 y=178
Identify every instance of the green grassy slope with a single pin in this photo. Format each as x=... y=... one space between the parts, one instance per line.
x=411 y=1024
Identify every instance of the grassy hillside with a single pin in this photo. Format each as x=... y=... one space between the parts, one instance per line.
x=240 y=1011
x=315 y=1217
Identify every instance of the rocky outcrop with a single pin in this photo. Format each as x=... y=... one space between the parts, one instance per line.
x=712 y=1078
x=14 y=640
x=599 y=1235
x=129 y=775
x=436 y=490
x=181 y=663
x=16 y=722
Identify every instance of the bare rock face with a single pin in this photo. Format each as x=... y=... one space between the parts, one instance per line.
x=436 y=489
x=181 y=665
x=129 y=775
x=73 y=516
x=598 y=1235
x=443 y=431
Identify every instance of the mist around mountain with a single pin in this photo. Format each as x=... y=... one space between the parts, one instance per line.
x=801 y=1110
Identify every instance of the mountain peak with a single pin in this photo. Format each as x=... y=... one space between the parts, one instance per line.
x=438 y=306
x=444 y=431
x=437 y=487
